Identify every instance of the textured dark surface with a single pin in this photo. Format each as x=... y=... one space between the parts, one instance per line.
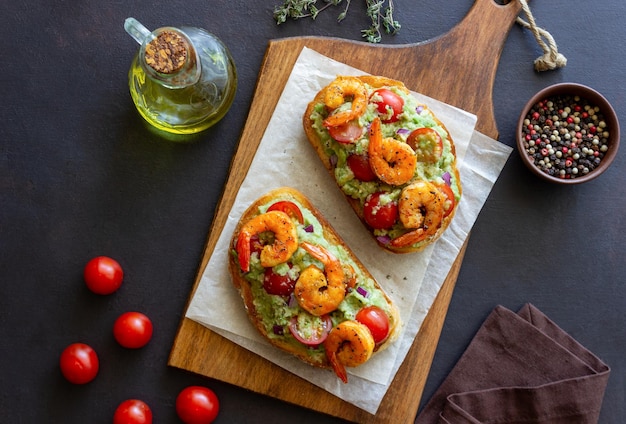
x=80 y=176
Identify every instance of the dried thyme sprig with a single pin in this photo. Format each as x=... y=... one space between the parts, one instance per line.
x=381 y=16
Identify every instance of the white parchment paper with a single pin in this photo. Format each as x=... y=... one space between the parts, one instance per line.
x=285 y=158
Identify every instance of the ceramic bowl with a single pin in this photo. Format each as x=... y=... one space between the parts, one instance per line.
x=571 y=152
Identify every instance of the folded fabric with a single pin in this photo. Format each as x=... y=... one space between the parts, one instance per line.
x=520 y=368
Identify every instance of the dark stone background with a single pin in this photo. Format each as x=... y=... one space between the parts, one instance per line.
x=80 y=176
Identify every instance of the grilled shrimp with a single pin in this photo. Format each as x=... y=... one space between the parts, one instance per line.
x=349 y=344
x=392 y=160
x=337 y=93
x=421 y=209
x=320 y=291
x=285 y=239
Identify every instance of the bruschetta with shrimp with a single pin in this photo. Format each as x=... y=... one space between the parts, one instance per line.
x=394 y=161
x=302 y=287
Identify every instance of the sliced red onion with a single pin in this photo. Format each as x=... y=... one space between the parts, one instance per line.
x=279 y=330
x=419 y=109
x=384 y=239
x=333 y=160
x=309 y=228
x=293 y=302
x=403 y=131
x=360 y=290
x=446 y=177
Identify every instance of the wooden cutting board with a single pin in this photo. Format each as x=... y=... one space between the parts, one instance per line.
x=457 y=68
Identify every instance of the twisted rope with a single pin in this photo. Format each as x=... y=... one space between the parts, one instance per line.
x=551 y=58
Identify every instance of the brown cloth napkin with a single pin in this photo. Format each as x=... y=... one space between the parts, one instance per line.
x=520 y=368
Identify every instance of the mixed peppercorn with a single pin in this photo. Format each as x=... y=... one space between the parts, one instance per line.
x=565 y=136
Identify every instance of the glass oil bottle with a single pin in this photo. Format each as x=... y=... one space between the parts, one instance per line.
x=182 y=80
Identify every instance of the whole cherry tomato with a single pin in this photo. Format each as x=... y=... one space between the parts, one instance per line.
x=379 y=216
x=376 y=320
x=197 y=405
x=79 y=363
x=103 y=275
x=391 y=102
x=133 y=411
x=360 y=167
x=132 y=330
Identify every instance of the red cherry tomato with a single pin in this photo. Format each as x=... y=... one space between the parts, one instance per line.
x=133 y=411
x=379 y=216
x=376 y=320
x=427 y=144
x=390 y=102
x=449 y=205
x=316 y=337
x=360 y=167
x=346 y=133
x=79 y=363
x=281 y=285
x=103 y=275
x=197 y=405
x=289 y=208
x=132 y=330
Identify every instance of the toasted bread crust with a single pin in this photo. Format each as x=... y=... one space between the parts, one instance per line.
x=243 y=286
x=318 y=145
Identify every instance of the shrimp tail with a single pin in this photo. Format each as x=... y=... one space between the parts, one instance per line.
x=338 y=367
x=243 y=250
x=315 y=251
x=409 y=238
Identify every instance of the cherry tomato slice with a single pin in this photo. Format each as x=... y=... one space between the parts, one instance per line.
x=449 y=205
x=317 y=336
x=360 y=167
x=379 y=216
x=289 y=208
x=281 y=285
x=103 y=275
x=391 y=102
x=346 y=133
x=376 y=320
x=79 y=363
x=256 y=245
x=197 y=405
x=133 y=411
x=132 y=330
x=427 y=144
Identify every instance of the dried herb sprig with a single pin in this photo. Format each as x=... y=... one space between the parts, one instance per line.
x=381 y=16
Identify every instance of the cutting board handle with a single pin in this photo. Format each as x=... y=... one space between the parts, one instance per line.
x=465 y=61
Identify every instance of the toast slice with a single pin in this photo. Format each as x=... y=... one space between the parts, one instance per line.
x=404 y=214
x=296 y=308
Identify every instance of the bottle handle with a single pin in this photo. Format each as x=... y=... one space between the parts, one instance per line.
x=136 y=30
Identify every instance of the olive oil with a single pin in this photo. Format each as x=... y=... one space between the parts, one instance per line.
x=189 y=98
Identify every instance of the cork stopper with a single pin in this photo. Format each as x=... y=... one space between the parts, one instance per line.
x=167 y=53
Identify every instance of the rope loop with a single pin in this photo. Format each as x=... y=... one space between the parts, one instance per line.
x=551 y=58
